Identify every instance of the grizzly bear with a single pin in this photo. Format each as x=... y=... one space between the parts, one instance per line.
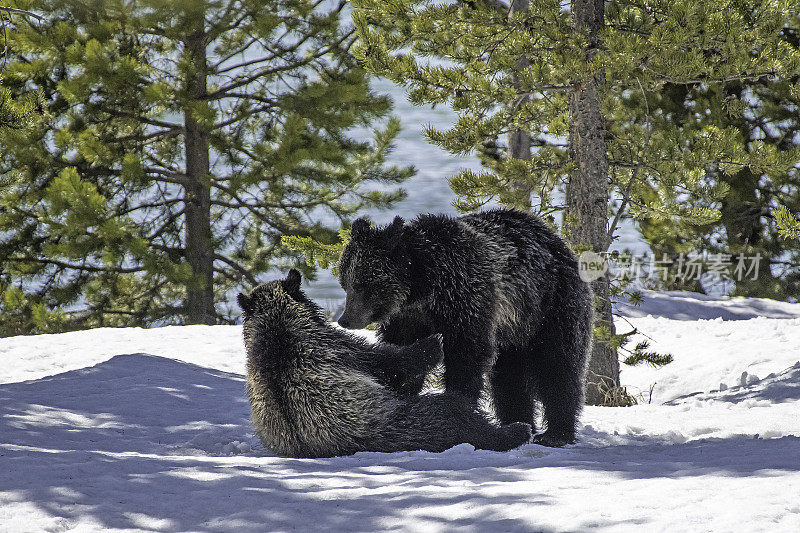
x=318 y=391
x=504 y=291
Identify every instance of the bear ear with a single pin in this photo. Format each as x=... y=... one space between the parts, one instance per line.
x=395 y=233
x=292 y=284
x=245 y=302
x=360 y=226
x=397 y=224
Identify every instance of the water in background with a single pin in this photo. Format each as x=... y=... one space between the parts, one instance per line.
x=428 y=190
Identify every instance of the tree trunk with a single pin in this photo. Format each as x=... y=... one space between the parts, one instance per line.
x=519 y=140
x=585 y=216
x=199 y=255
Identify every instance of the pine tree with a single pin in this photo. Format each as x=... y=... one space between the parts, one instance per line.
x=180 y=141
x=15 y=112
x=788 y=224
x=580 y=82
x=762 y=112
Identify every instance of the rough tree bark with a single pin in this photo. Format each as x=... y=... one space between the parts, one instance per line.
x=587 y=195
x=199 y=255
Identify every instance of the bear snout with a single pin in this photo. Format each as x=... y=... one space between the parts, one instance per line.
x=356 y=315
x=344 y=322
x=349 y=322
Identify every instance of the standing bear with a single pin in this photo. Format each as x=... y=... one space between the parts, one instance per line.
x=318 y=391
x=504 y=291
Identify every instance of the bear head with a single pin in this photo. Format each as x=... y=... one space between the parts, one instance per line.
x=273 y=306
x=267 y=292
x=374 y=271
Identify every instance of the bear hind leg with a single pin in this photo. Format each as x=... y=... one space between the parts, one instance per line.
x=557 y=364
x=512 y=389
x=436 y=422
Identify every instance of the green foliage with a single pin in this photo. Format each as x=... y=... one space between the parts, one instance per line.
x=761 y=118
x=788 y=224
x=94 y=193
x=15 y=113
x=469 y=55
x=479 y=48
x=640 y=355
x=503 y=72
x=323 y=252
x=316 y=253
x=622 y=289
x=635 y=355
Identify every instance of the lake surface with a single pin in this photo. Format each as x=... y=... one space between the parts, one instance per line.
x=428 y=191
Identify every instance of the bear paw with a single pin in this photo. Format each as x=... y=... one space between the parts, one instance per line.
x=552 y=440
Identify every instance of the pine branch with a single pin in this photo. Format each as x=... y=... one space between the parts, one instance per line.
x=105 y=176
x=70 y=266
x=140 y=118
x=215 y=66
x=246 y=80
x=178 y=178
x=167 y=223
x=12 y=10
x=149 y=137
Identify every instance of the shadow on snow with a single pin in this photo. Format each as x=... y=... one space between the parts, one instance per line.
x=138 y=442
x=685 y=305
x=778 y=388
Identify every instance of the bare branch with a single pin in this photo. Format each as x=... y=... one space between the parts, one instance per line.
x=83 y=268
x=11 y=10
x=626 y=195
x=238 y=118
x=150 y=205
x=142 y=119
x=149 y=137
x=166 y=224
x=222 y=91
x=177 y=178
x=229 y=56
x=237 y=267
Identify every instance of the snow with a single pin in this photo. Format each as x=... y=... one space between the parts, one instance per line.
x=684 y=305
x=148 y=429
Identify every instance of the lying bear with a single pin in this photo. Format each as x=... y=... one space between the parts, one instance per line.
x=504 y=291
x=317 y=391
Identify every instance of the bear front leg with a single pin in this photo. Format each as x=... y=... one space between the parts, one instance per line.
x=466 y=358
x=404 y=329
x=404 y=368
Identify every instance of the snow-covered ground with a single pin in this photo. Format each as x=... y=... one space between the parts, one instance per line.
x=131 y=429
